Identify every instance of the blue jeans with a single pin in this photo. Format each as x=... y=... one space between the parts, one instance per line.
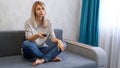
x=31 y=51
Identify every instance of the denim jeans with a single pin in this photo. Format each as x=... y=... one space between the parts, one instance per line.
x=31 y=51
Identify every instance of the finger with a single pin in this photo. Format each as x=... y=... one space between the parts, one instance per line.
x=41 y=35
x=58 y=49
x=61 y=48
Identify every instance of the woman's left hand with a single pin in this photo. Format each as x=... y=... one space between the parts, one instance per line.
x=60 y=45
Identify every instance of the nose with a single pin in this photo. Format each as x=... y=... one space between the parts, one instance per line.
x=41 y=10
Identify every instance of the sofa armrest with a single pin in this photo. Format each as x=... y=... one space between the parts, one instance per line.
x=94 y=53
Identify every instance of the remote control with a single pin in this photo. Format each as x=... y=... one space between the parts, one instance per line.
x=44 y=35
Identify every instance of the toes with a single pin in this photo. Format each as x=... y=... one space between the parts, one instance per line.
x=37 y=61
x=56 y=59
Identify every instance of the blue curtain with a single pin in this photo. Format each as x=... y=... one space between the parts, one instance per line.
x=89 y=22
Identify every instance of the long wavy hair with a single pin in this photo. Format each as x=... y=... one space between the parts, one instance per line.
x=33 y=14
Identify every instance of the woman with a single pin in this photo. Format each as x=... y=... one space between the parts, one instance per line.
x=35 y=29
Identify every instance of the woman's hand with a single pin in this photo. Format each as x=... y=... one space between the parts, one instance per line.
x=60 y=45
x=39 y=35
x=34 y=37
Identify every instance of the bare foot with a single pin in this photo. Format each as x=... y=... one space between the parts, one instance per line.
x=56 y=59
x=38 y=61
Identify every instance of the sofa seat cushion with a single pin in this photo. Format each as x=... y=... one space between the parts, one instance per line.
x=70 y=60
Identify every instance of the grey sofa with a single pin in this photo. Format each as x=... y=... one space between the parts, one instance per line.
x=76 y=55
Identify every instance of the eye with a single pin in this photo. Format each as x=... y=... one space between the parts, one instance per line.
x=43 y=8
x=38 y=8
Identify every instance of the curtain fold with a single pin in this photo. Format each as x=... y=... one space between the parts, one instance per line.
x=89 y=22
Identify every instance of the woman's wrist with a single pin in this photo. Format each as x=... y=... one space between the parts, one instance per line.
x=36 y=35
x=58 y=41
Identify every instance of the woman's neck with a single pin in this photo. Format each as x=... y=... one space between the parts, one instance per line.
x=38 y=19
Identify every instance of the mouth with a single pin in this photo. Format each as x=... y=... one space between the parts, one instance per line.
x=41 y=14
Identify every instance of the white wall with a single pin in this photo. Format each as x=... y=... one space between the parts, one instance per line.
x=64 y=14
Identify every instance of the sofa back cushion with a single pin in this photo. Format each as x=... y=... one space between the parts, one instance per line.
x=11 y=41
x=59 y=33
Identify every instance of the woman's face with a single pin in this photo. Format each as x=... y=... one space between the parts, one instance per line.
x=39 y=11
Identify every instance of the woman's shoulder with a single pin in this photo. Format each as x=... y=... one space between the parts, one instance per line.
x=28 y=21
x=49 y=22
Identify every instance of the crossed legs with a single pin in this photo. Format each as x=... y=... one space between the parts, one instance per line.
x=42 y=54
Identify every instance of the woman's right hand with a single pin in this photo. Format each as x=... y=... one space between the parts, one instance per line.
x=34 y=37
x=39 y=35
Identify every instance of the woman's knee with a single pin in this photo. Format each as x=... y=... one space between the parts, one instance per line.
x=26 y=43
x=64 y=44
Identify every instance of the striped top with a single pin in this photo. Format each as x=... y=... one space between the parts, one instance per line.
x=31 y=28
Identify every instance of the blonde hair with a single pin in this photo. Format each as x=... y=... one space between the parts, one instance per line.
x=44 y=22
